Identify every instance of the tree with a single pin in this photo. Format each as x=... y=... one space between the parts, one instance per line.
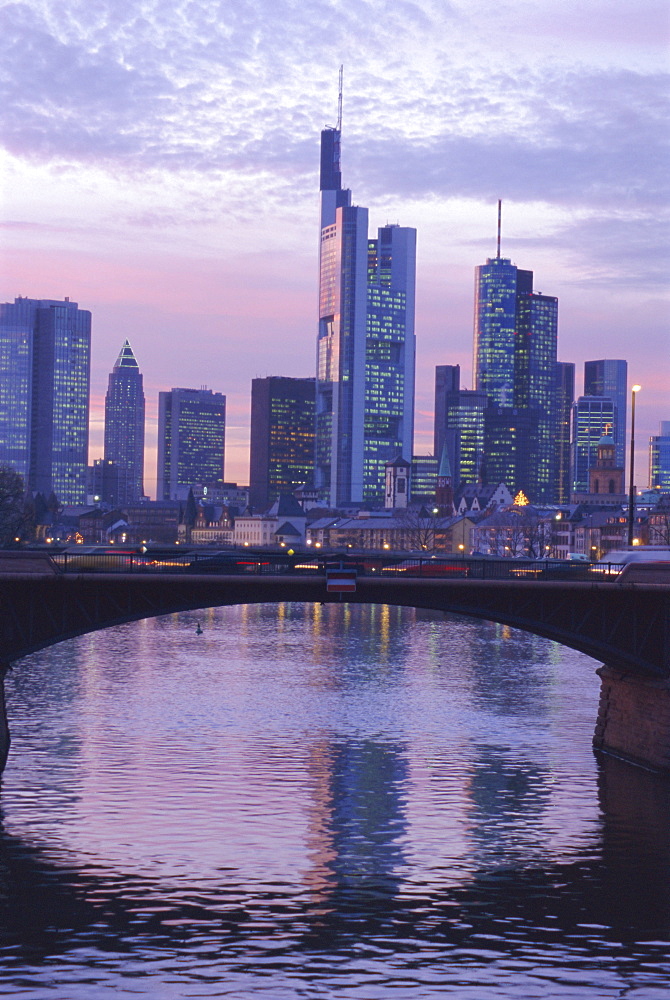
x=418 y=529
x=659 y=522
x=12 y=507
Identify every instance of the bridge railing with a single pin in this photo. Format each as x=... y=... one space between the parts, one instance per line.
x=311 y=564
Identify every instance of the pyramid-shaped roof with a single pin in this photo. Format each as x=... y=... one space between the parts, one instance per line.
x=445 y=466
x=126 y=358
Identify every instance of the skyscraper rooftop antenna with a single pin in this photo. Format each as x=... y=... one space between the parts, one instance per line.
x=339 y=101
x=499 y=226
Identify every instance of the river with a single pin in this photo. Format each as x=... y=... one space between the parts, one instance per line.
x=324 y=801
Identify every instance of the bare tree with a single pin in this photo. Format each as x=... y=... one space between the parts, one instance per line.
x=659 y=523
x=12 y=507
x=419 y=527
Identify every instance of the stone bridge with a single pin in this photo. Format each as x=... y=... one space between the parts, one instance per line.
x=626 y=627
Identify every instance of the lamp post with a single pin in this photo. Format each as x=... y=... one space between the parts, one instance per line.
x=631 y=486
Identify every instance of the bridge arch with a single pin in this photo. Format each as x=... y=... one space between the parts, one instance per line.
x=625 y=628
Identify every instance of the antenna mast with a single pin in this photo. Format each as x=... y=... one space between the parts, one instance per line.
x=499 y=220
x=339 y=102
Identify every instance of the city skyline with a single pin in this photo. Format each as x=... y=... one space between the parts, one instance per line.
x=175 y=202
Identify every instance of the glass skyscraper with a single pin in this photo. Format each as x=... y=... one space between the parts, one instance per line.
x=45 y=357
x=659 y=459
x=365 y=346
x=124 y=425
x=515 y=345
x=447 y=382
x=593 y=418
x=609 y=378
x=191 y=440
x=282 y=437
x=566 y=397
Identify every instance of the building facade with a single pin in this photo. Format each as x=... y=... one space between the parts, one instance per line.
x=124 y=425
x=565 y=381
x=447 y=385
x=609 y=379
x=191 y=440
x=365 y=344
x=282 y=437
x=45 y=360
x=593 y=418
x=659 y=459
x=514 y=364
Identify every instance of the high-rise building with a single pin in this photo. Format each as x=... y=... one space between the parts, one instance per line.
x=365 y=346
x=609 y=378
x=423 y=478
x=282 y=437
x=465 y=438
x=565 y=380
x=191 y=440
x=515 y=344
x=124 y=426
x=447 y=382
x=593 y=419
x=45 y=358
x=659 y=459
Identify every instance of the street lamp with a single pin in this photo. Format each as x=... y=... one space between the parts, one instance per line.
x=631 y=487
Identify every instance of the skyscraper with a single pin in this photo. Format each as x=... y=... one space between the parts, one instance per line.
x=282 y=437
x=609 y=378
x=45 y=356
x=124 y=425
x=593 y=418
x=659 y=458
x=365 y=346
x=191 y=440
x=447 y=382
x=565 y=380
x=515 y=344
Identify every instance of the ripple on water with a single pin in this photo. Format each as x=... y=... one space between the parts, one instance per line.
x=339 y=801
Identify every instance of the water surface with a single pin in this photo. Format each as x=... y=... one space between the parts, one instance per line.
x=315 y=801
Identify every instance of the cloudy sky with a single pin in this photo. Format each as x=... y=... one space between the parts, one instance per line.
x=160 y=167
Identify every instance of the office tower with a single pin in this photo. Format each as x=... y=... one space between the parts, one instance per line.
x=282 y=437
x=508 y=453
x=447 y=382
x=465 y=438
x=365 y=347
x=389 y=354
x=423 y=478
x=105 y=482
x=593 y=418
x=659 y=459
x=45 y=357
x=191 y=440
x=124 y=426
x=515 y=344
x=609 y=378
x=565 y=380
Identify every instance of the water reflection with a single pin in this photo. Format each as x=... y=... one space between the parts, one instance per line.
x=328 y=801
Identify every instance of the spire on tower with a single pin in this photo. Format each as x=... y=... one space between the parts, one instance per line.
x=339 y=101
x=499 y=225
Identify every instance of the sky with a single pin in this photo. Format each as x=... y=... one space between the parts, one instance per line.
x=160 y=167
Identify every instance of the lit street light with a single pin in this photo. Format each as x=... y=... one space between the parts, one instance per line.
x=631 y=486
